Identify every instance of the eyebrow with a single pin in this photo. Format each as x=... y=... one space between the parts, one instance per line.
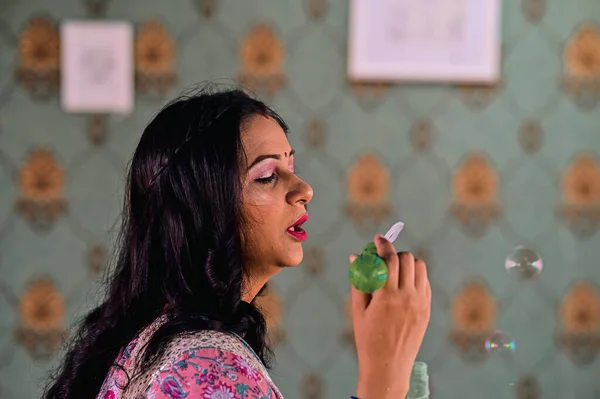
x=261 y=158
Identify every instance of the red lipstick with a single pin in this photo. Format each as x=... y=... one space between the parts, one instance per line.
x=296 y=230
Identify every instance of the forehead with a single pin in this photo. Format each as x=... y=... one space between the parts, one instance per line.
x=264 y=136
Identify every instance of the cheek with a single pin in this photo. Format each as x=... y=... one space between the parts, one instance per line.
x=261 y=200
x=262 y=213
x=262 y=208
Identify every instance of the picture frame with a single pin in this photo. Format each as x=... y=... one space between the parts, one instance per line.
x=453 y=41
x=97 y=67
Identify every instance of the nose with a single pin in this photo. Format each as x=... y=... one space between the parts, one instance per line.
x=300 y=192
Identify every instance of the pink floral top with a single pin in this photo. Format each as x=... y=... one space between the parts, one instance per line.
x=205 y=365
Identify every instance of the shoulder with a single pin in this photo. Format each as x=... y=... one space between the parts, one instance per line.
x=214 y=342
x=209 y=365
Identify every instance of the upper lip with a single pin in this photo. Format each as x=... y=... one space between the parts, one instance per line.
x=302 y=219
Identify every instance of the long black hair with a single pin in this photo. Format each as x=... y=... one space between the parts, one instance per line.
x=180 y=248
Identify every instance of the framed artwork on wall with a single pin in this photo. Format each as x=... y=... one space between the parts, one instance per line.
x=97 y=67
x=455 y=41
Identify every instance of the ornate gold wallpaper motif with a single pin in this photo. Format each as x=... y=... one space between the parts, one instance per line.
x=96 y=7
x=582 y=53
x=313 y=260
x=580 y=319
x=581 y=195
x=97 y=259
x=97 y=130
x=316 y=8
x=313 y=386
x=478 y=97
x=370 y=94
x=528 y=387
x=368 y=189
x=262 y=55
x=421 y=135
x=315 y=134
x=580 y=310
x=39 y=57
x=475 y=190
x=582 y=65
x=530 y=136
x=207 y=7
x=154 y=59
x=473 y=319
x=41 y=313
x=533 y=10
x=41 y=182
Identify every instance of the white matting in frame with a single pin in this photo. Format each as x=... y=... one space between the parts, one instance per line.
x=417 y=40
x=97 y=67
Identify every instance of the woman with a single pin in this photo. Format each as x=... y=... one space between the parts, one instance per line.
x=213 y=210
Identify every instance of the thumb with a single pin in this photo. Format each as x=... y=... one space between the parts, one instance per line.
x=353 y=257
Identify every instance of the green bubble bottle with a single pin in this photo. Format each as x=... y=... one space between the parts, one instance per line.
x=369 y=272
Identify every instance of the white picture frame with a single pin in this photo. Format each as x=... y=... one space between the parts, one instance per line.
x=453 y=41
x=97 y=67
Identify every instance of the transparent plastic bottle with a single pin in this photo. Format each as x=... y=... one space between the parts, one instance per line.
x=419 y=382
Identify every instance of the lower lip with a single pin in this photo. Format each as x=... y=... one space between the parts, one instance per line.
x=298 y=235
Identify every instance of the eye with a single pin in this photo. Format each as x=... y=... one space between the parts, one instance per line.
x=266 y=180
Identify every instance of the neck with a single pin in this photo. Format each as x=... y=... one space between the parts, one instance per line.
x=256 y=282
x=253 y=288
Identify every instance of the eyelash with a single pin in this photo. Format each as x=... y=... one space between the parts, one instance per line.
x=266 y=180
x=270 y=179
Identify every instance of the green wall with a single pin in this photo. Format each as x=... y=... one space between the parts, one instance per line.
x=472 y=171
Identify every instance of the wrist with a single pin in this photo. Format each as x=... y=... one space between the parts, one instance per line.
x=381 y=386
x=385 y=393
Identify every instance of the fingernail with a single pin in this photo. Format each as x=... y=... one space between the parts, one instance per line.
x=381 y=239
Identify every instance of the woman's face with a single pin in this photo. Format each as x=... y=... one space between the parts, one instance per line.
x=274 y=200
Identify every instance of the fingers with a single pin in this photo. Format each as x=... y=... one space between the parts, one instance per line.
x=407 y=270
x=421 y=280
x=428 y=294
x=360 y=301
x=387 y=252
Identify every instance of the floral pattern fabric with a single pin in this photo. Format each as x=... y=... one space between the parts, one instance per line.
x=210 y=374
x=206 y=365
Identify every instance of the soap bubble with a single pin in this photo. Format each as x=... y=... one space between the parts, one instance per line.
x=524 y=261
x=499 y=342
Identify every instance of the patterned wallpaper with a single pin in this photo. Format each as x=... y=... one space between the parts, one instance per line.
x=473 y=171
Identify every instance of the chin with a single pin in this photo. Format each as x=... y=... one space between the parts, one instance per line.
x=293 y=257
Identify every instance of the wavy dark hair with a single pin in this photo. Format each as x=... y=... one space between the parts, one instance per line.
x=180 y=245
